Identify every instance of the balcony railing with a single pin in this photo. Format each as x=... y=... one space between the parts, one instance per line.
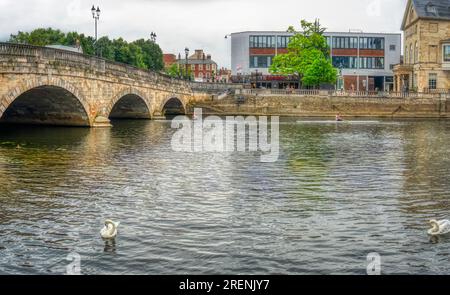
x=437 y=90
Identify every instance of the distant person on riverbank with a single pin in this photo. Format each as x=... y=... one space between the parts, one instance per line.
x=339 y=118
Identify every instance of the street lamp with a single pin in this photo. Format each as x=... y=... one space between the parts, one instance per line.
x=96 y=16
x=186 y=51
x=153 y=37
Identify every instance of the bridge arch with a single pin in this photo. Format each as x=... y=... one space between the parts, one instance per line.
x=172 y=106
x=129 y=104
x=45 y=101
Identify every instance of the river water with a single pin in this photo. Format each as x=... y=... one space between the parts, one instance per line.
x=337 y=193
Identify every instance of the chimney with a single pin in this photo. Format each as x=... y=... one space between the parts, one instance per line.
x=208 y=56
x=198 y=53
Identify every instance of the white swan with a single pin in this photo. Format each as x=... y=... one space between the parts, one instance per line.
x=110 y=229
x=441 y=227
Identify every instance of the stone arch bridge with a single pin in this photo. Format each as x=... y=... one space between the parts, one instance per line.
x=40 y=85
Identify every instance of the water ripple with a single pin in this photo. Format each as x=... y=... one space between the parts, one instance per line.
x=337 y=193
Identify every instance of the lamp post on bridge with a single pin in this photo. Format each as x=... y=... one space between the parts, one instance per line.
x=186 y=51
x=96 y=16
x=153 y=37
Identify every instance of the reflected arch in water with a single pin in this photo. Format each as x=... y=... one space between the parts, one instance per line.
x=52 y=102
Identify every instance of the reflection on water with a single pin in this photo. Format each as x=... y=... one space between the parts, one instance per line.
x=337 y=193
x=110 y=246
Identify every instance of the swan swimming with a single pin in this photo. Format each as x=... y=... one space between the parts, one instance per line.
x=110 y=229
x=441 y=227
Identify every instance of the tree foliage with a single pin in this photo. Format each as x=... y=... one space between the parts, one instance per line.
x=308 y=56
x=141 y=53
x=179 y=71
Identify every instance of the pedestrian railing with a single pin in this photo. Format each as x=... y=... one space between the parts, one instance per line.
x=337 y=93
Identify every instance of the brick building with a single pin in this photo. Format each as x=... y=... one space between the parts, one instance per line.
x=426 y=62
x=201 y=66
x=169 y=59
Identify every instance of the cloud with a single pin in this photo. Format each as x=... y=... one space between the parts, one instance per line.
x=197 y=23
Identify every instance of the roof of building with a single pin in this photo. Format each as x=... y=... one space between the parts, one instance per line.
x=429 y=9
x=169 y=58
x=197 y=61
x=433 y=8
x=325 y=33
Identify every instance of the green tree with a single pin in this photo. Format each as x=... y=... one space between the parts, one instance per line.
x=142 y=53
x=39 y=37
x=105 y=48
x=308 y=56
x=152 y=54
x=174 y=71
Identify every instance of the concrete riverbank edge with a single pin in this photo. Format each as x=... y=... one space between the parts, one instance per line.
x=319 y=106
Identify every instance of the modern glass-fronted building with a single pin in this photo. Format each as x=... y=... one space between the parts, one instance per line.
x=365 y=60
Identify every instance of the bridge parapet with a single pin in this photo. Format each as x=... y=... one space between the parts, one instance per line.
x=13 y=54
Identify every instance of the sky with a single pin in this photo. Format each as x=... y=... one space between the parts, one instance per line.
x=197 y=24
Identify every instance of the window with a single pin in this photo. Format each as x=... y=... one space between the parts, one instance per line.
x=328 y=41
x=371 y=43
x=416 y=53
x=371 y=62
x=411 y=54
x=346 y=62
x=406 y=54
x=345 y=42
x=260 y=61
x=446 y=53
x=432 y=81
x=392 y=47
x=283 y=41
x=262 y=41
x=200 y=67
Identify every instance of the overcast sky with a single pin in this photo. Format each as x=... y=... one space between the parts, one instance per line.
x=197 y=23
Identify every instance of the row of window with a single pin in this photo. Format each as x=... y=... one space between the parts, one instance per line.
x=345 y=62
x=412 y=53
x=268 y=41
x=371 y=43
x=335 y=42
x=201 y=66
x=371 y=62
x=344 y=42
x=351 y=62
